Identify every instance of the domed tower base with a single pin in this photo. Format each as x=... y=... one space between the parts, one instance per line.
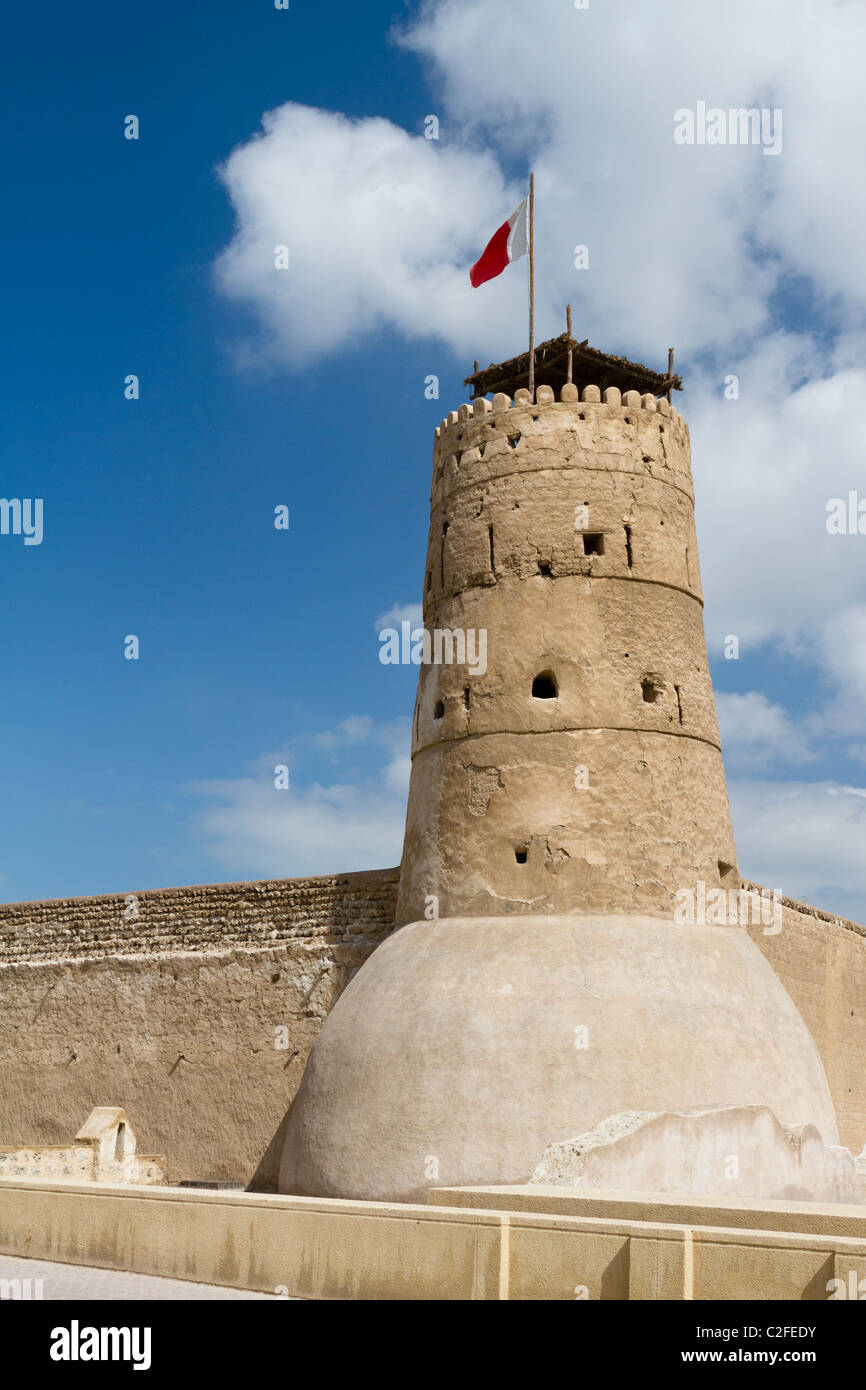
x=464 y=1047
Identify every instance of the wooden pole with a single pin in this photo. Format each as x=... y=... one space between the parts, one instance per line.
x=532 y=286
x=670 y=373
x=570 y=353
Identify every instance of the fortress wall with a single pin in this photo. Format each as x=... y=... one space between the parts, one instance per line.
x=174 y=1014
x=218 y=915
x=821 y=961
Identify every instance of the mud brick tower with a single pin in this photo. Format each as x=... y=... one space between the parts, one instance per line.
x=584 y=768
x=559 y=800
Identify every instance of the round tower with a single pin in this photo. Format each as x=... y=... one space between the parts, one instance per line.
x=570 y=761
x=567 y=782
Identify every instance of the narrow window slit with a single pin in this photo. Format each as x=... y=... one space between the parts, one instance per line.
x=628 y=545
x=490 y=542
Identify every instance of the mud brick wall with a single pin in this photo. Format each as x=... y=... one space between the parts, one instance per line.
x=193 y=1008
x=821 y=961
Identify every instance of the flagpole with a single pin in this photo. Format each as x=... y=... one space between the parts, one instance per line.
x=532 y=286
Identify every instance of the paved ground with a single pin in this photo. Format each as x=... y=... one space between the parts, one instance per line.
x=72 y=1282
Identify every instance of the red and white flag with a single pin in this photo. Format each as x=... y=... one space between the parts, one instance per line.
x=507 y=245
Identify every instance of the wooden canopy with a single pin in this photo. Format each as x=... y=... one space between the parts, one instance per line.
x=589 y=368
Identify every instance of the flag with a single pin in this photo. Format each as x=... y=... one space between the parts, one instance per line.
x=507 y=245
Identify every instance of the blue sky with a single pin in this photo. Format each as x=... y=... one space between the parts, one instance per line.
x=259 y=646
x=159 y=512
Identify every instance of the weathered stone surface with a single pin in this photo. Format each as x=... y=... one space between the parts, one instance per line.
x=821 y=960
x=343 y=908
x=465 y=1046
x=735 y=1151
x=199 y=1013
x=564 y=532
x=213 y=1008
x=104 y=1150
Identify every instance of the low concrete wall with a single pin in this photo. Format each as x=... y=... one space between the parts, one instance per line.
x=742 y=1213
x=309 y=1248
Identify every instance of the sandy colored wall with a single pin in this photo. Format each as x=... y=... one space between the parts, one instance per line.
x=576 y=517
x=821 y=961
x=174 y=1014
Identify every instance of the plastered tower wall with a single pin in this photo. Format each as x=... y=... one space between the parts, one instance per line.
x=565 y=531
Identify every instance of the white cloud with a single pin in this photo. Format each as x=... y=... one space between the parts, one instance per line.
x=804 y=839
x=765 y=467
x=686 y=242
x=264 y=833
x=758 y=733
x=355 y=729
x=381 y=227
x=252 y=828
x=842 y=652
x=399 y=613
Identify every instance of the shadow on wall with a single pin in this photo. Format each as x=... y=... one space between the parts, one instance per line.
x=266 y=1176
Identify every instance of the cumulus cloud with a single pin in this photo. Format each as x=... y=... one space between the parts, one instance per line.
x=380 y=227
x=804 y=839
x=758 y=733
x=253 y=829
x=841 y=643
x=687 y=244
x=400 y=613
x=765 y=467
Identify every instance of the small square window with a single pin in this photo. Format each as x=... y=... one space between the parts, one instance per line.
x=593 y=543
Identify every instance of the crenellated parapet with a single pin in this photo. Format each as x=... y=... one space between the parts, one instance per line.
x=640 y=434
x=600 y=489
